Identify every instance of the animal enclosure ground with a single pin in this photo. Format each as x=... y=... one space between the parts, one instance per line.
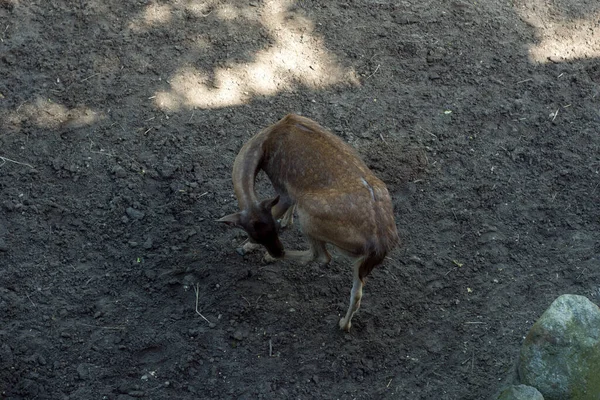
x=119 y=125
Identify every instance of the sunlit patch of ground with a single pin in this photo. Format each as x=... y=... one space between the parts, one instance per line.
x=560 y=39
x=45 y=113
x=297 y=57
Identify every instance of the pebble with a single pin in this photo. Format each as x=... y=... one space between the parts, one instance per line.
x=135 y=214
x=238 y=335
x=3 y=245
x=119 y=171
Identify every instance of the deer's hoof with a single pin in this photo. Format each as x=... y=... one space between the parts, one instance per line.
x=345 y=325
x=269 y=259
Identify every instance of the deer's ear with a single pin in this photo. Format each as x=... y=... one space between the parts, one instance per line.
x=269 y=203
x=231 y=219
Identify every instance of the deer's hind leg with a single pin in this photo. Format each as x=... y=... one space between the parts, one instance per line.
x=355 y=296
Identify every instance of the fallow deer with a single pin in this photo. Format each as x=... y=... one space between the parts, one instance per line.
x=337 y=197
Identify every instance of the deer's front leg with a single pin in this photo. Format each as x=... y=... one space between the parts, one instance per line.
x=317 y=252
x=284 y=211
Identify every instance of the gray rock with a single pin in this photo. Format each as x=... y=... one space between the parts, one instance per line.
x=520 y=392
x=134 y=214
x=561 y=353
x=119 y=172
x=148 y=244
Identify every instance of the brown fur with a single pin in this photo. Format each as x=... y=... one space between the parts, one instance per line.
x=337 y=197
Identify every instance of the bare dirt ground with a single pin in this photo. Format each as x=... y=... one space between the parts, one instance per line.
x=119 y=125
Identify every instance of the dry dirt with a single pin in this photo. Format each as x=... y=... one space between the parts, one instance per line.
x=119 y=125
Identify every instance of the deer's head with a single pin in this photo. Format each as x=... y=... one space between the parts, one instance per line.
x=257 y=220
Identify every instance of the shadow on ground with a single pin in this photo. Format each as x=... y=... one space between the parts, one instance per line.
x=120 y=123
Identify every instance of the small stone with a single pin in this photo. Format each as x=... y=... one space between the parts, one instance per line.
x=238 y=335
x=148 y=243
x=3 y=245
x=84 y=371
x=119 y=171
x=135 y=214
x=166 y=170
x=8 y=205
x=520 y=392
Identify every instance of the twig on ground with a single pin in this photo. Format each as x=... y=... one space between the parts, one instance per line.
x=2 y=38
x=250 y=304
x=197 y=290
x=89 y=77
x=376 y=69
x=4 y=160
x=555 y=114
x=472 y=360
x=117 y=328
x=270 y=348
x=116 y=123
x=30 y=300
x=384 y=141
x=103 y=153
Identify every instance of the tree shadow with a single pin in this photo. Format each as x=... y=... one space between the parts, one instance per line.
x=189 y=54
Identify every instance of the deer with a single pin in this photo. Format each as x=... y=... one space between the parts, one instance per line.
x=337 y=198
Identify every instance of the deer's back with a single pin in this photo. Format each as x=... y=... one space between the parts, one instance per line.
x=328 y=180
x=305 y=157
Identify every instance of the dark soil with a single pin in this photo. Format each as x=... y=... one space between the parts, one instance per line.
x=119 y=124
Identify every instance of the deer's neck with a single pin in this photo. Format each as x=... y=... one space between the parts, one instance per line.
x=246 y=167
